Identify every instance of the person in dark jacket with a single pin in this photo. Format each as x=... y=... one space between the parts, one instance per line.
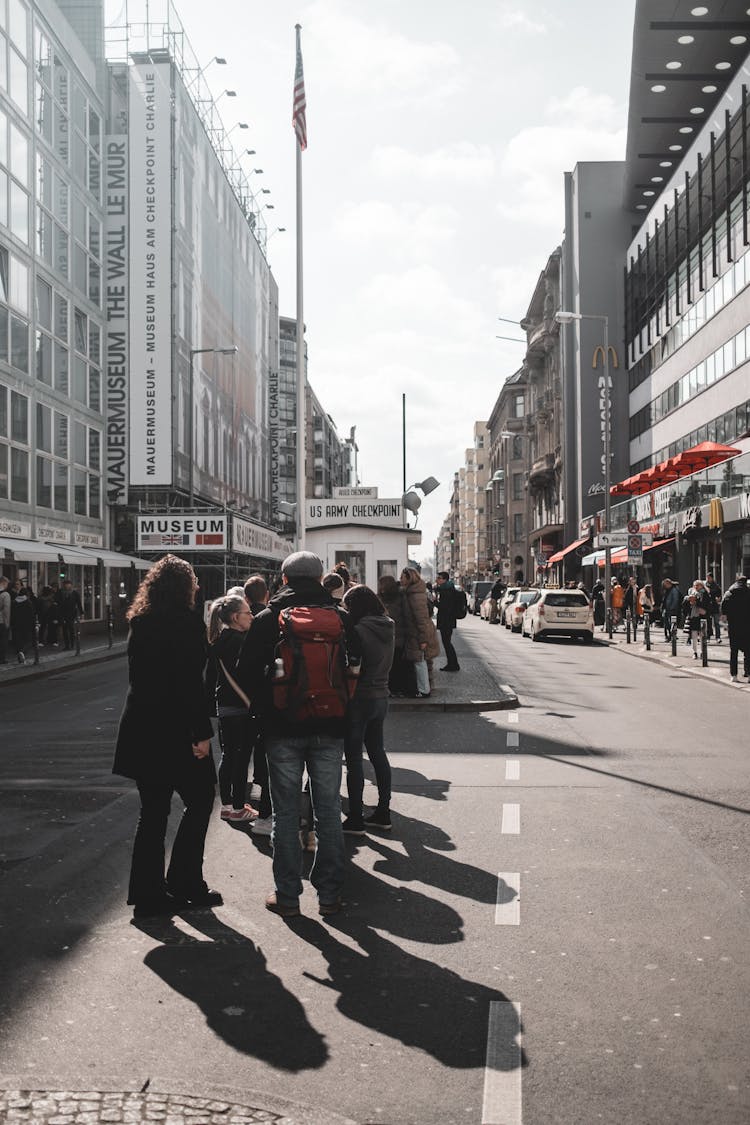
x=256 y=592
x=22 y=614
x=229 y=620
x=368 y=709
x=714 y=621
x=401 y=678
x=670 y=605
x=598 y=603
x=314 y=744
x=735 y=606
x=446 y=618
x=69 y=608
x=496 y=593
x=164 y=740
x=257 y=595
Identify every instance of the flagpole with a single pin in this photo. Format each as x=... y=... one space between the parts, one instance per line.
x=301 y=413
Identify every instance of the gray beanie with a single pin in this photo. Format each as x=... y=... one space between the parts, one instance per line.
x=302 y=564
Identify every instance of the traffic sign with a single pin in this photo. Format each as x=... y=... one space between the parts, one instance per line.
x=610 y=539
x=633 y=527
x=541 y=560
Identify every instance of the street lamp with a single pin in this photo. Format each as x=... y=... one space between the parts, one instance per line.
x=216 y=59
x=563 y=317
x=411 y=501
x=191 y=377
x=279 y=230
x=238 y=125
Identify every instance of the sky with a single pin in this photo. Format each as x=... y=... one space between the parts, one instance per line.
x=438 y=135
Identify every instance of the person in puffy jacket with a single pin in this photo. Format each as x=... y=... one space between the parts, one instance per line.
x=229 y=620
x=421 y=644
x=401 y=679
x=368 y=709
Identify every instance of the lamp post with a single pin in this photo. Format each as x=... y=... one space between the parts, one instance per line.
x=563 y=317
x=191 y=427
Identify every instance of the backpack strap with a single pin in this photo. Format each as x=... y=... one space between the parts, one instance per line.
x=234 y=685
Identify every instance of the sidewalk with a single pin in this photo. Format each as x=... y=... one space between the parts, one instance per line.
x=55 y=660
x=661 y=652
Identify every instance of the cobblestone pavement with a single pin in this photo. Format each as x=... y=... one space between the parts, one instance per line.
x=62 y=1107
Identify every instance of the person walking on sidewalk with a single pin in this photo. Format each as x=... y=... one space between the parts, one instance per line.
x=735 y=607
x=229 y=621
x=295 y=742
x=714 y=620
x=22 y=614
x=164 y=740
x=5 y=605
x=630 y=604
x=69 y=610
x=368 y=708
x=447 y=596
x=695 y=614
x=670 y=605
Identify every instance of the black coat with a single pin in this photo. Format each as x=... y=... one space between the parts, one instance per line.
x=446 y=607
x=166 y=708
x=736 y=608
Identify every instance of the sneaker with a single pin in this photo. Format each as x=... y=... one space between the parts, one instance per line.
x=352 y=827
x=262 y=826
x=225 y=810
x=695 y=656
x=242 y=816
x=380 y=818
x=735 y=679
x=201 y=900
x=283 y=909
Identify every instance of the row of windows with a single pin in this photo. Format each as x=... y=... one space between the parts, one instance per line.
x=736 y=277
x=725 y=428
x=714 y=367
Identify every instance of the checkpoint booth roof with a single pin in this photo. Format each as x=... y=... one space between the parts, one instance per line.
x=368 y=534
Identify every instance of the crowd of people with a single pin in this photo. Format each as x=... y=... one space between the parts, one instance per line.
x=54 y=610
x=297 y=681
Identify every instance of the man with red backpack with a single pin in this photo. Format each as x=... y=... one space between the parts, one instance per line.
x=298 y=665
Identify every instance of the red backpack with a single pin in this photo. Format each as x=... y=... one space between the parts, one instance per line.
x=310 y=676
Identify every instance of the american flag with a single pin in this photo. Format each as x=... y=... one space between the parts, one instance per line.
x=299 y=119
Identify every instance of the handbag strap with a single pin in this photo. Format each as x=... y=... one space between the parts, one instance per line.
x=235 y=686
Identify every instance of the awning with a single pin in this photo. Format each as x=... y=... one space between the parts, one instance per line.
x=592 y=559
x=681 y=465
x=566 y=550
x=29 y=550
x=621 y=554
x=92 y=555
x=658 y=543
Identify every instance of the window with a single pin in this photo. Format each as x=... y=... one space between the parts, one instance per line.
x=518 y=486
x=518 y=406
x=19 y=418
x=19 y=475
x=517 y=526
x=43 y=304
x=43 y=358
x=43 y=482
x=19 y=344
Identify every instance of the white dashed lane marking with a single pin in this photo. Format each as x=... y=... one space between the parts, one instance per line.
x=512 y=770
x=510 y=824
x=501 y=1104
x=508 y=905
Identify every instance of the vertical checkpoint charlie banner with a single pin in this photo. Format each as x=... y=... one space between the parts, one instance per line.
x=116 y=311
x=150 y=310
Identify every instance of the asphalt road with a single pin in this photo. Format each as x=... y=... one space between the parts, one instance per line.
x=555 y=931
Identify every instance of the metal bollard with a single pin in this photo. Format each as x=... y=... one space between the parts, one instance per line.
x=36 y=640
x=704 y=644
x=673 y=638
x=110 y=627
x=610 y=619
x=77 y=628
x=628 y=620
x=647 y=631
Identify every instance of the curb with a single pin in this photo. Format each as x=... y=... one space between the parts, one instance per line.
x=39 y=671
x=667 y=662
x=289 y=1113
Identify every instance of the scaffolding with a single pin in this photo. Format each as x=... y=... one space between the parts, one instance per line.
x=160 y=35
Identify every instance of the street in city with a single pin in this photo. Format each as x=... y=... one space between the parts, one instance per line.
x=554 y=931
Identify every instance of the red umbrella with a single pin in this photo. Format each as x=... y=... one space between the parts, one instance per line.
x=702 y=456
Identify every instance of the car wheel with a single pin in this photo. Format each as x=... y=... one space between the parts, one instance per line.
x=588 y=638
x=534 y=636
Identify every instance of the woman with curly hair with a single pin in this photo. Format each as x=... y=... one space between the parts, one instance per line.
x=164 y=740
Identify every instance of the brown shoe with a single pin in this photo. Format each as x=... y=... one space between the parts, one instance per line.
x=330 y=907
x=284 y=909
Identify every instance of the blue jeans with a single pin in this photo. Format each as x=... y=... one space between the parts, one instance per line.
x=288 y=755
x=364 y=724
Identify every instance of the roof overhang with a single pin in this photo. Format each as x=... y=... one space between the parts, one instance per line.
x=676 y=84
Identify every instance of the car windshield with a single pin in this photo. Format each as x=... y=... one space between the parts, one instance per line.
x=525 y=598
x=574 y=598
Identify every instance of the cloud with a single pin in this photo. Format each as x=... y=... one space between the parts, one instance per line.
x=514 y=18
x=357 y=54
x=407 y=232
x=463 y=162
x=584 y=126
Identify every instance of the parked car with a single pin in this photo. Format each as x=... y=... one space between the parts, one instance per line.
x=515 y=611
x=479 y=591
x=507 y=598
x=559 y=613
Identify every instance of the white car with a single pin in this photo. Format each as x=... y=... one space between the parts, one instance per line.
x=514 y=613
x=507 y=598
x=557 y=613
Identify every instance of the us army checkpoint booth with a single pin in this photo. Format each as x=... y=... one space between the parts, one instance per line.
x=357 y=528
